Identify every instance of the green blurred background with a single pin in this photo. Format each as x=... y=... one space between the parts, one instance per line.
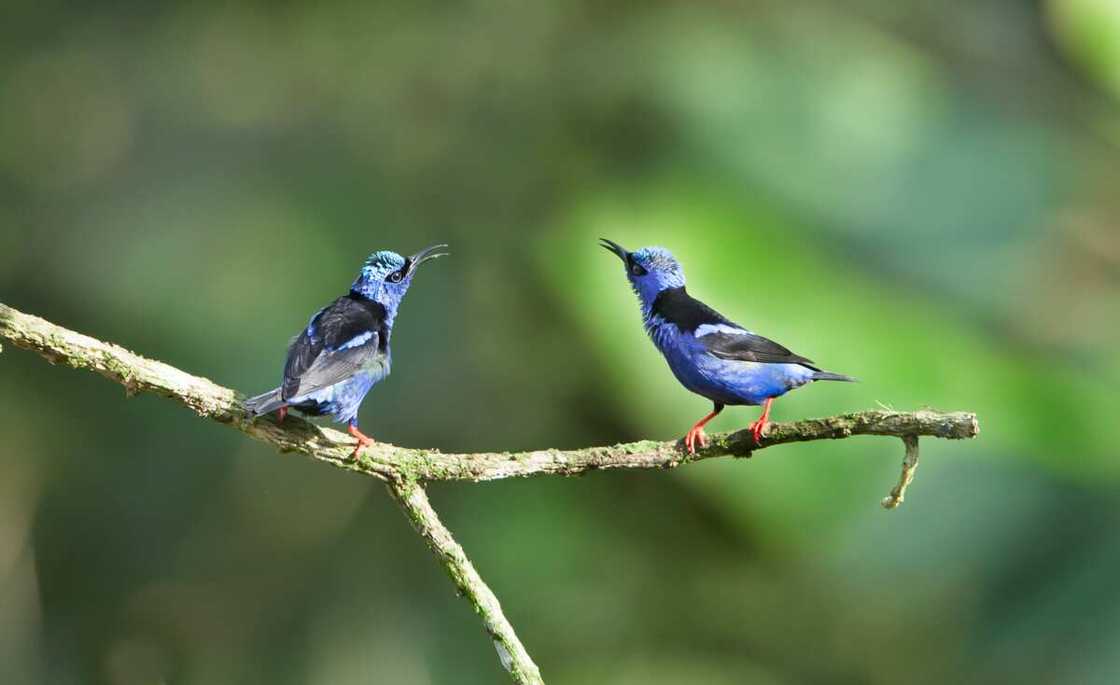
x=921 y=194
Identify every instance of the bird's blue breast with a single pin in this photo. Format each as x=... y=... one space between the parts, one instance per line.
x=730 y=382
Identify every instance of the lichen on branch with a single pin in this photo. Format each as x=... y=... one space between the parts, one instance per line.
x=391 y=463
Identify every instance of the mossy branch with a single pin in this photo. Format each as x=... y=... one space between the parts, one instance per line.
x=405 y=469
x=512 y=654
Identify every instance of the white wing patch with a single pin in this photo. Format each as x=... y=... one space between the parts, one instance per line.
x=356 y=341
x=709 y=329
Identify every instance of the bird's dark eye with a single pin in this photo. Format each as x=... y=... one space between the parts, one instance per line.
x=637 y=269
x=396 y=276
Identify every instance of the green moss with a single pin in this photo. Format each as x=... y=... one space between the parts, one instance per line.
x=406 y=466
x=441 y=471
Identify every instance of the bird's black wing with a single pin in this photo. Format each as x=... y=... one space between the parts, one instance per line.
x=737 y=344
x=720 y=336
x=340 y=340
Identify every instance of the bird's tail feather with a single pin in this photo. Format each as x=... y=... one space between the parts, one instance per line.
x=829 y=376
x=262 y=404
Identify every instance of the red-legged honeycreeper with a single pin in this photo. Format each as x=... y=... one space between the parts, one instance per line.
x=344 y=351
x=710 y=355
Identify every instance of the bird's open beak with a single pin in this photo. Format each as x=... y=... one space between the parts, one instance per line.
x=426 y=254
x=615 y=248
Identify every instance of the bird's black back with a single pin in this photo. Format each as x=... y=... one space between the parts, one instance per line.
x=684 y=311
x=687 y=313
x=338 y=324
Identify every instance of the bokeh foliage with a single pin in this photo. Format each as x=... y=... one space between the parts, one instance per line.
x=920 y=194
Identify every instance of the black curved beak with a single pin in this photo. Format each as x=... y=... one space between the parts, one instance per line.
x=614 y=247
x=426 y=254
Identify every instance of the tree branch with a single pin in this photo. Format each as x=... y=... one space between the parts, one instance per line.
x=511 y=652
x=405 y=469
x=391 y=463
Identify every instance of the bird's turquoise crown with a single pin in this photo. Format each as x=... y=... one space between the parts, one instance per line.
x=384 y=261
x=657 y=259
x=377 y=267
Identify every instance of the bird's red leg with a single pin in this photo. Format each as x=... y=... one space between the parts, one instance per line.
x=697 y=432
x=759 y=426
x=362 y=438
x=281 y=414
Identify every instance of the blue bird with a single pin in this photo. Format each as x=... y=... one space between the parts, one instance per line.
x=344 y=351
x=710 y=355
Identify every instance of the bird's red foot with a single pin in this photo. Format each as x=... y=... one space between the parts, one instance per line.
x=363 y=440
x=696 y=433
x=694 y=437
x=281 y=414
x=759 y=427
